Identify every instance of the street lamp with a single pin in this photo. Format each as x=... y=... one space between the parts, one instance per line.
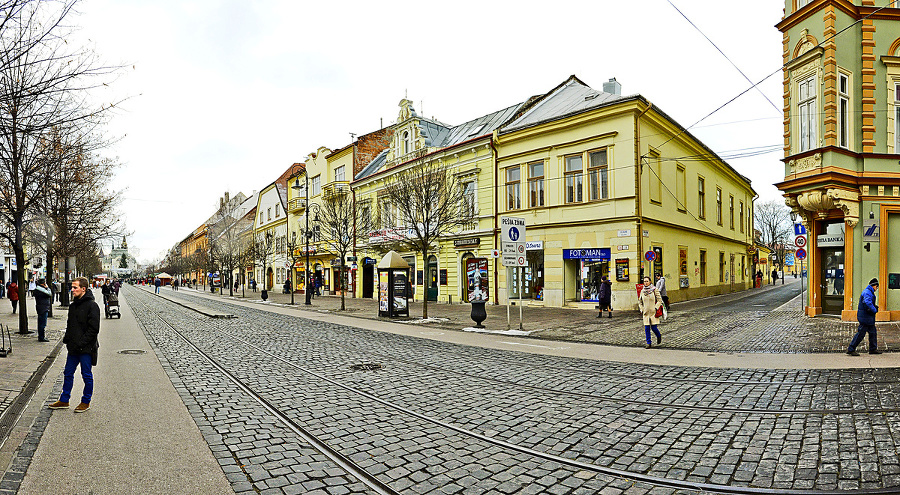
x=309 y=207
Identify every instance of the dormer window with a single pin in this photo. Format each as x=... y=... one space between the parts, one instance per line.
x=406 y=144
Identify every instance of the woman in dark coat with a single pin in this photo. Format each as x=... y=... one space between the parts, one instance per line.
x=605 y=296
x=14 y=295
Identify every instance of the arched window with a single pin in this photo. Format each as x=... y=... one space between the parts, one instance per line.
x=406 y=143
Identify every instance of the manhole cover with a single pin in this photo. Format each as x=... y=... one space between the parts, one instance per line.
x=132 y=351
x=365 y=367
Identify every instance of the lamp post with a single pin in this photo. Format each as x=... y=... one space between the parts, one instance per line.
x=309 y=208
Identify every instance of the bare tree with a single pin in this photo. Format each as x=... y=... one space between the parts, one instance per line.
x=263 y=252
x=773 y=225
x=339 y=221
x=225 y=237
x=44 y=84
x=296 y=252
x=430 y=203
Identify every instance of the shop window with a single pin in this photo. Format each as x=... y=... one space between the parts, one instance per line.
x=598 y=182
x=722 y=268
x=535 y=184
x=513 y=188
x=807 y=112
x=702 y=267
x=574 y=179
x=591 y=272
x=680 y=188
x=701 y=197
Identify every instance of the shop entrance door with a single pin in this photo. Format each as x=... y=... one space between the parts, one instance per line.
x=432 y=279
x=892 y=297
x=832 y=260
x=368 y=280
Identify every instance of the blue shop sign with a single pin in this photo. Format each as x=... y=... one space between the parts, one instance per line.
x=593 y=254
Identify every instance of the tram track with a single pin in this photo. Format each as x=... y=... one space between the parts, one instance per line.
x=890 y=387
x=572 y=463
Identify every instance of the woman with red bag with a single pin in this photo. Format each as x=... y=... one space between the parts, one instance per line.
x=14 y=295
x=650 y=303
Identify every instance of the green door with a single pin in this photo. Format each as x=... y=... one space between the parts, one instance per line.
x=432 y=279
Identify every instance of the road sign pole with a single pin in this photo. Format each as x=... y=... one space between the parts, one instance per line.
x=521 y=283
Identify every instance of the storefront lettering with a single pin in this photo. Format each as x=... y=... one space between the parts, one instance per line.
x=600 y=254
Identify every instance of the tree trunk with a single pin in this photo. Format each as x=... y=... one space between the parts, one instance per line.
x=425 y=272
x=23 y=287
x=343 y=283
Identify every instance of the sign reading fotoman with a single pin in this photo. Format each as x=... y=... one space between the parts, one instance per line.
x=597 y=254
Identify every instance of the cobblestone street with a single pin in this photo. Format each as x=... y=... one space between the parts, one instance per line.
x=289 y=404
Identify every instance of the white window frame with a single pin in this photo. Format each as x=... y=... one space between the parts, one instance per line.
x=340 y=174
x=315 y=186
x=536 y=184
x=681 y=187
x=513 y=188
x=844 y=113
x=598 y=175
x=807 y=112
x=574 y=183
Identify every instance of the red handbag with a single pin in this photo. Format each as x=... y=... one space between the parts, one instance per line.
x=659 y=312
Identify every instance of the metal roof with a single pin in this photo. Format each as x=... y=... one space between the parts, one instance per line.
x=373 y=166
x=569 y=98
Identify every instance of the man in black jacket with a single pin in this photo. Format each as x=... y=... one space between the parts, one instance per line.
x=82 y=329
x=43 y=298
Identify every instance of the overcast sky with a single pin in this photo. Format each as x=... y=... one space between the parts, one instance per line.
x=226 y=95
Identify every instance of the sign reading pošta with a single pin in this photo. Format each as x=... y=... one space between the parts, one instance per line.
x=512 y=236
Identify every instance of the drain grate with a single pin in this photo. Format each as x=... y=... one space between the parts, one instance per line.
x=365 y=367
x=132 y=351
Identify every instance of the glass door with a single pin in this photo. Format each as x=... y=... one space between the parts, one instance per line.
x=832 y=280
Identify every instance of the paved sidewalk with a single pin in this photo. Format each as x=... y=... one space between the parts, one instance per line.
x=727 y=323
x=138 y=436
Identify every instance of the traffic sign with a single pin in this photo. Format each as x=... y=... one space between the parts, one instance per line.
x=495 y=253
x=801 y=254
x=512 y=229
x=650 y=255
x=799 y=229
x=800 y=241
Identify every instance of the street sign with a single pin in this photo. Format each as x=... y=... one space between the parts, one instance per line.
x=512 y=229
x=799 y=229
x=495 y=253
x=650 y=255
x=801 y=254
x=800 y=241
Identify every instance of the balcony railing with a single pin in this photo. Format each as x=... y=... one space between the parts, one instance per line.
x=335 y=188
x=297 y=205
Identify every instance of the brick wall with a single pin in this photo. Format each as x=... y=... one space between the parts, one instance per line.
x=368 y=146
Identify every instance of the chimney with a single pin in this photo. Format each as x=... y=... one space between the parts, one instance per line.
x=612 y=86
x=221 y=203
x=226 y=197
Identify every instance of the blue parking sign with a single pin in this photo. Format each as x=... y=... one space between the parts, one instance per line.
x=799 y=229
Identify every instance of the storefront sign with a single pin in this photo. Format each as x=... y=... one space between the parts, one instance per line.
x=830 y=240
x=871 y=230
x=534 y=245
x=467 y=242
x=594 y=254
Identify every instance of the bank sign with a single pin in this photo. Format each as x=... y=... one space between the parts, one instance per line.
x=593 y=254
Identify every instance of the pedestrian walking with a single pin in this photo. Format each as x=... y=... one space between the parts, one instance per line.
x=82 y=329
x=661 y=286
x=604 y=296
x=774 y=276
x=157 y=283
x=2 y=288
x=13 y=291
x=43 y=298
x=649 y=302
x=866 y=317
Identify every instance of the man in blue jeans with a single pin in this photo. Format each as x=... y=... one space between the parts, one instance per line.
x=866 y=317
x=82 y=329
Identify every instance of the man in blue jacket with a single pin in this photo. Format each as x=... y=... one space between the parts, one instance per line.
x=866 y=317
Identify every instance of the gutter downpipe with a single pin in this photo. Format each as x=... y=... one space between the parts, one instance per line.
x=637 y=190
x=494 y=135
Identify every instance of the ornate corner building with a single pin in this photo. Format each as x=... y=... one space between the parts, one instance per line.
x=842 y=147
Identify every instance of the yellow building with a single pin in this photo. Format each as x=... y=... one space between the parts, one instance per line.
x=609 y=185
x=604 y=183
x=466 y=150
